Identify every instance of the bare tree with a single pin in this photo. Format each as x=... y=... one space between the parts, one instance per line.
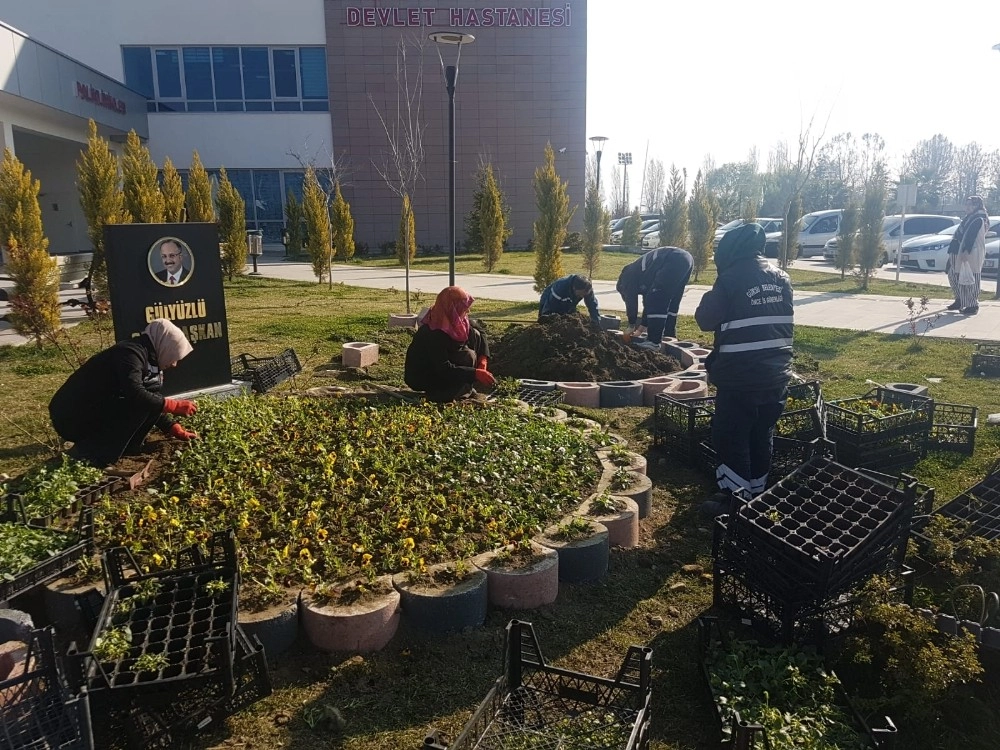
x=403 y=161
x=972 y=170
x=618 y=207
x=931 y=164
x=656 y=181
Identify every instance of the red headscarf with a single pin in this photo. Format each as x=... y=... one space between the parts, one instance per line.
x=450 y=313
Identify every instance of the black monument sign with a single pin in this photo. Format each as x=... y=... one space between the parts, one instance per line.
x=172 y=271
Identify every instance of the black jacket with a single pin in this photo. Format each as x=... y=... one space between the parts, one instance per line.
x=750 y=310
x=663 y=270
x=433 y=357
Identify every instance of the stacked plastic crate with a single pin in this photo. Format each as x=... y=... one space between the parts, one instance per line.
x=167 y=656
x=793 y=559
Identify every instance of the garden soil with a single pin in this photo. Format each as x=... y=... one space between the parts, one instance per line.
x=568 y=348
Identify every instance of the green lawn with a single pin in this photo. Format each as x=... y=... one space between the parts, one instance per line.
x=389 y=700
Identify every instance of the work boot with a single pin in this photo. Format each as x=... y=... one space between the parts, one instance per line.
x=718 y=504
x=970 y=310
x=956 y=305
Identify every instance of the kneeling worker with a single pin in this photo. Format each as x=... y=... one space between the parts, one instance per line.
x=659 y=277
x=563 y=295
x=449 y=353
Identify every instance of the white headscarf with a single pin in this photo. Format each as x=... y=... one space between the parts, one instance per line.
x=169 y=342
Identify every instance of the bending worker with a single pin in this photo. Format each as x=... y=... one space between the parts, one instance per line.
x=563 y=295
x=449 y=353
x=660 y=277
x=108 y=406
x=750 y=310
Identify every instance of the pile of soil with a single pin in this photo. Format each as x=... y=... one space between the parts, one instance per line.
x=568 y=348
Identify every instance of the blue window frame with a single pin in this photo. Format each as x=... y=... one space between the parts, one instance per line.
x=226 y=67
x=286 y=81
x=313 y=68
x=139 y=70
x=168 y=74
x=256 y=73
x=198 y=73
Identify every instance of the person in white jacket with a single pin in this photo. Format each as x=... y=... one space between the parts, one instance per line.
x=966 y=254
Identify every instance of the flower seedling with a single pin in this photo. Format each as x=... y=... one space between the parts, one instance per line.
x=606 y=504
x=151 y=663
x=574 y=529
x=145 y=591
x=216 y=587
x=113 y=645
x=23 y=547
x=602 y=438
x=619 y=455
x=47 y=490
x=622 y=479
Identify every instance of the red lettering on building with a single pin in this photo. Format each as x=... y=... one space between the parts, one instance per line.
x=102 y=99
x=494 y=16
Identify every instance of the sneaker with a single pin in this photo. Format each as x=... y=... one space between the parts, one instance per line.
x=956 y=305
x=720 y=503
x=970 y=310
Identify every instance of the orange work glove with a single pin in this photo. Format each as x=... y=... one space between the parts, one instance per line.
x=485 y=378
x=179 y=406
x=482 y=363
x=178 y=431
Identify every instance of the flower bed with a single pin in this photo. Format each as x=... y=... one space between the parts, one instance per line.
x=330 y=489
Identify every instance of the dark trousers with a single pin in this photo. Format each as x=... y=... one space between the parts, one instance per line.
x=102 y=440
x=742 y=430
x=476 y=346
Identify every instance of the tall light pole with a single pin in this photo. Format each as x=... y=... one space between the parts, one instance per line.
x=625 y=158
x=996 y=292
x=450 y=79
x=598 y=141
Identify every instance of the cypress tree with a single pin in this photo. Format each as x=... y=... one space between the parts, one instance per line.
x=232 y=227
x=870 y=225
x=199 y=194
x=674 y=213
x=494 y=221
x=702 y=215
x=554 y=214
x=631 y=236
x=342 y=225
x=293 y=224
x=790 y=235
x=173 y=193
x=317 y=224
x=143 y=199
x=595 y=223
x=847 y=237
x=98 y=181
x=406 y=241
x=35 y=300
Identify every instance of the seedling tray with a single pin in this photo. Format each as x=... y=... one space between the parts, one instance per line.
x=79 y=545
x=36 y=709
x=691 y=418
x=85 y=497
x=264 y=373
x=848 y=427
x=826 y=522
x=979 y=507
x=954 y=428
x=168 y=718
x=799 y=421
x=536 y=705
x=986 y=359
x=787 y=454
x=890 y=455
x=737 y=734
x=923 y=503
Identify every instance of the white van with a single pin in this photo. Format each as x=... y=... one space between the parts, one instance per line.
x=815 y=229
x=917 y=225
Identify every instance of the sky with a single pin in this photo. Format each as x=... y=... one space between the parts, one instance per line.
x=719 y=77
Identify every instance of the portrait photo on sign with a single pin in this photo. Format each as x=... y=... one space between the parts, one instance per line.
x=170 y=261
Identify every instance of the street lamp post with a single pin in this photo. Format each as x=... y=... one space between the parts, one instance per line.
x=450 y=79
x=625 y=158
x=598 y=141
x=996 y=292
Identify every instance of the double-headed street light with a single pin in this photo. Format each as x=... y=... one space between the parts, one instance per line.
x=598 y=141
x=450 y=78
x=625 y=158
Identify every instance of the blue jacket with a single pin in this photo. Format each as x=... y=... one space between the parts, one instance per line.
x=558 y=299
x=662 y=272
x=750 y=310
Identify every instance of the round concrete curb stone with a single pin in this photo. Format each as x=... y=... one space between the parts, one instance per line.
x=527 y=587
x=403 y=320
x=912 y=389
x=580 y=560
x=694 y=355
x=620 y=393
x=439 y=610
x=637 y=461
x=610 y=322
x=15 y=625
x=622 y=526
x=581 y=394
x=582 y=423
x=276 y=627
x=358 y=628
x=683 y=390
x=641 y=491
x=652 y=386
x=538 y=385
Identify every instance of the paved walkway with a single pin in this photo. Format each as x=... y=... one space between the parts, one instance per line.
x=856 y=312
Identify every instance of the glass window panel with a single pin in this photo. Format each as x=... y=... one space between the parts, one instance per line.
x=272 y=231
x=256 y=73
x=313 y=68
x=229 y=106
x=315 y=106
x=242 y=180
x=287 y=106
x=293 y=184
x=258 y=106
x=201 y=106
x=168 y=73
x=285 y=81
x=267 y=195
x=226 y=66
x=198 y=73
x=150 y=106
x=138 y=66
x=170 y=107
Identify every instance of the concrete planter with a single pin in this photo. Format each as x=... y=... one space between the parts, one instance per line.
x=582 y=423
x=439 y=609
x=583 y=560
x=610 y=322
x=277 y=627
x=694 y=355
x=676 y=349
x=687 y=388
x=634 y=462
x=620 y=393
x=622 y=526
x=402 y=320
x=521 y=587
x=641 y=491
x=538 y=385
x=359 y=628
x=549 y=412
x=359 y=354
x=652 y=386
x=581 y=394
x=913 y=389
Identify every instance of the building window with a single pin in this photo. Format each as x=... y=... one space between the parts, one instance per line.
x=229 y=78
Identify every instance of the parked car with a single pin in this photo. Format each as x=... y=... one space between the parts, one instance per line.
x=771 y=226
x=815 y=229
x=917 y=225
x=992 y=258
x=616 y=236
x=930 y=252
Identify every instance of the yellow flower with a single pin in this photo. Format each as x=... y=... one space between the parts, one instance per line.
x=403 y=523
x=174 y=499
x=357 y=547
x=408 y=543
x=311 y=518
x=304 y=541
x=366 y=559
x=174 y=523
x=157 y=558
x=322 y=534
x=253 y=503
x=305 y=554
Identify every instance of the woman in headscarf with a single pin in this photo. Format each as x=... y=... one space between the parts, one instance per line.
x=966 y=253
x=448 y=353
x=108 y=406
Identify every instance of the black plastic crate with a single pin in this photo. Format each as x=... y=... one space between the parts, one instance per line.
x=978 y=507
x=849 y=428
x=954 y=428
x=986 y=359
x=264 y=373
x=691 y=417
x=175 y=613
x=802 y=418
x=79 y=544
x=923 y=502
x=165 y=719
x=787 y=454
x=825 y=521
x=557 y=708
x=37 y=710
x=85 y=497
x=737 y=734
x=889 y=455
